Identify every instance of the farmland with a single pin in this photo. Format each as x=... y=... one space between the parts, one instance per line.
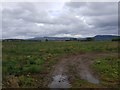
x=30 y=64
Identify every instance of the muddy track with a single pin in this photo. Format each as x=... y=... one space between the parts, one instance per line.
x=80 y=63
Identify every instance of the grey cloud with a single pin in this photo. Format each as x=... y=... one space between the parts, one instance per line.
x=103 y=21
x=95 y=8
x=102 y=15
x=76 y=4
x=31 y=19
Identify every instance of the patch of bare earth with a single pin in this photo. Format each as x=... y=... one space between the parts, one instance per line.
x=72 y=66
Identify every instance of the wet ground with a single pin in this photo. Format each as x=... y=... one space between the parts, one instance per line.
x=60 y=77
x=60 y=81
x=85 y=73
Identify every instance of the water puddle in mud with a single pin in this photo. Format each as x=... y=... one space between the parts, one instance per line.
x=85 y=71
x=86 y=75
x=59 y=81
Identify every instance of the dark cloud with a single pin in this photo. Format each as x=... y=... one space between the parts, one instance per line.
x=24 y=20
x=94 y=8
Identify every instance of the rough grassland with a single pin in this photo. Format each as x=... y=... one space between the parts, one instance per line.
x=28 y=64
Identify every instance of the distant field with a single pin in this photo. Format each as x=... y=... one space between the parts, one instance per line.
x=28 y=64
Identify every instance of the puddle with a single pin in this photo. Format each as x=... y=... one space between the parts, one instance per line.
x=59 y=81
x=86 y=75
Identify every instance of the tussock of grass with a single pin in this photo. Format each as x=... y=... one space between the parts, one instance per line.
x=26 y=81
x=32 y=69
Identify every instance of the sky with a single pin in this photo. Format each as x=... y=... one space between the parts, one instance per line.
x=24 y=20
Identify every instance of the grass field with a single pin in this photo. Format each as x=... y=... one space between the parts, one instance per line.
x=108 y=68
x=28 y=64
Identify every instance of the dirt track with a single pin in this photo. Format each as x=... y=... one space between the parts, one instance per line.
x=80 y=63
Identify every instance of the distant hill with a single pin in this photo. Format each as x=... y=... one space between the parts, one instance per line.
x=12 y=39
x=105 y=37
x=53 y=38
x=95 y=38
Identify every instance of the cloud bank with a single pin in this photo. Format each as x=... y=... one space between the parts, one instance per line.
x=68 y=19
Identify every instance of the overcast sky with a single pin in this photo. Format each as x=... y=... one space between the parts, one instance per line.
x=67 y=19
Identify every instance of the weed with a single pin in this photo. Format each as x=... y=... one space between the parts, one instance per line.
x=26 y=81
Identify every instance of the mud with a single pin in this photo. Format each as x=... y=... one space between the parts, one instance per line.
x=81 y=62
x=59 y=76
x=85 y=73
